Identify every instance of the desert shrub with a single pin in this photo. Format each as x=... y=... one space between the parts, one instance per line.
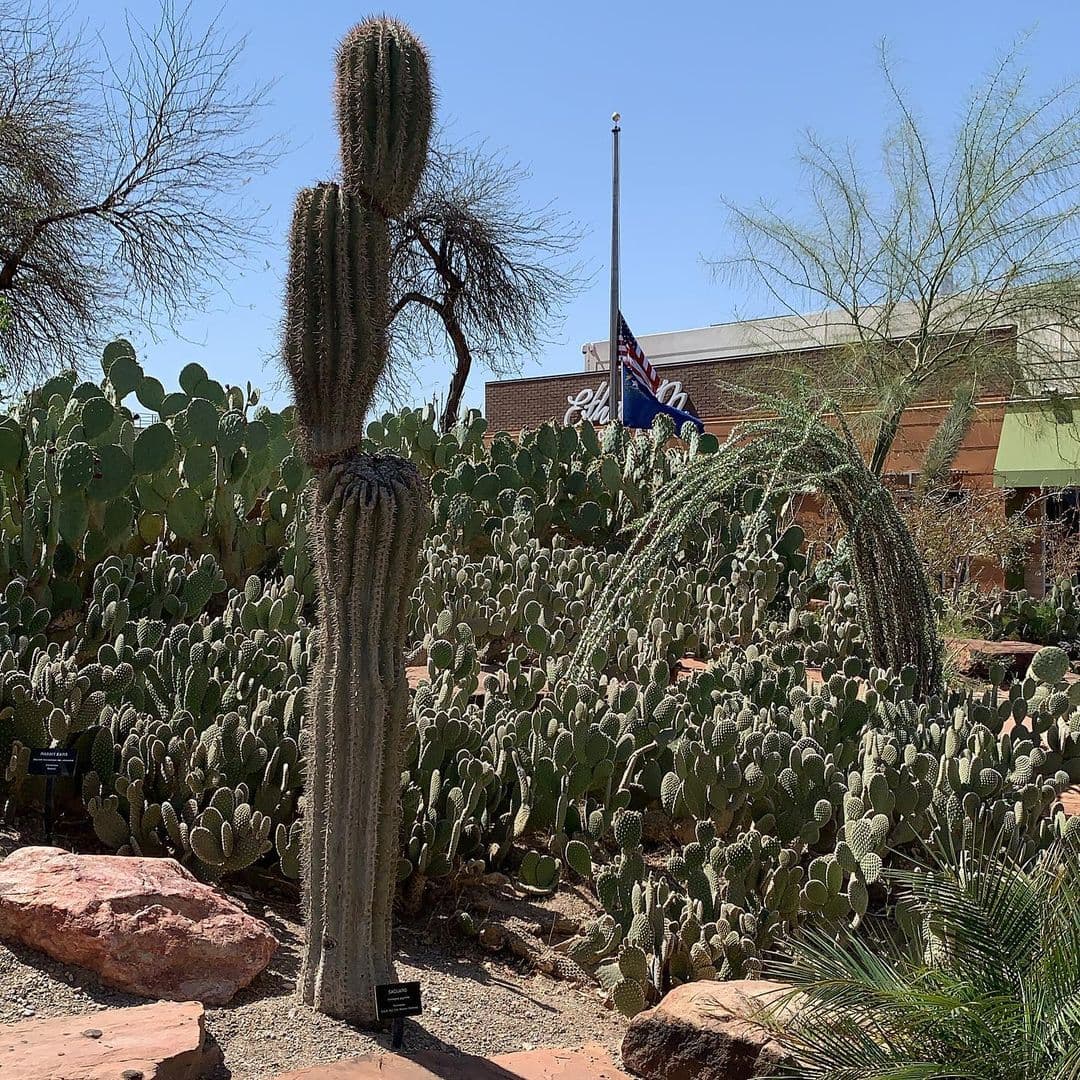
x=956 y=531
x=977 y=977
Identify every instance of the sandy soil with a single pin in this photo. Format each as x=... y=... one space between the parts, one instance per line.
x=473 y=1002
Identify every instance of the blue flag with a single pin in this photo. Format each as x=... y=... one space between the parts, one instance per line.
x=640 y=382
x=640 y=406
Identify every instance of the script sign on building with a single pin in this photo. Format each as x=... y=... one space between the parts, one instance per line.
x=591 y=403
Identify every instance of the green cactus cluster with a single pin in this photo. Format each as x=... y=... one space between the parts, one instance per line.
x=585 y=486
x=90 y=470
x=527 y=599
x=122 y=663
x=1053 y=619
x=187 y=724
x=652 y=935
x=799 y=791
x=712 y=807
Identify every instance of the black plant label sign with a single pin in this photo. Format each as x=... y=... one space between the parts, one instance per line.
x=52 y=761
x=396 y=1000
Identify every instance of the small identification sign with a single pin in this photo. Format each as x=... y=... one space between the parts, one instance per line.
x=52 y=762
x=396 y=1000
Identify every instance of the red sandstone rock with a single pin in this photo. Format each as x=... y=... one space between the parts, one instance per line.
x=143 y=925
x=156 y=1042
x=687 y=667
x=815 y=679
x=973 y=656
x=705 y=1031
x=590 y=1062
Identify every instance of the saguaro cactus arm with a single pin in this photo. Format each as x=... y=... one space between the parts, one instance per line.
x=339 y=268
x=335 y=328
x=383 y=100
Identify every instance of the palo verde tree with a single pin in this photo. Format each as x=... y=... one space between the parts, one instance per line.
x=923 y=264
x=476 y=271
x=119 y=182
x=369 y=515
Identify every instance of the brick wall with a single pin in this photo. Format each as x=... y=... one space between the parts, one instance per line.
x=512 y=404
x=712 y=386
x=713 y=395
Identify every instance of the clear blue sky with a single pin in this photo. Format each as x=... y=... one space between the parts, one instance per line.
x=714 y=95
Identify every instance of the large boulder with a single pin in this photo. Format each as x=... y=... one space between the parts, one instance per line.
x=146 y=926
x=973 y=657
x=706 y=1031
x=163 y=1041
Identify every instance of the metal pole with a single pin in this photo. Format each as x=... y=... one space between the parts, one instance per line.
x=614 y=404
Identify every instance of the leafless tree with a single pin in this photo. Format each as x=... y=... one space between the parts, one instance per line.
x=121 y=181
x=922 y=262
x=476 y=272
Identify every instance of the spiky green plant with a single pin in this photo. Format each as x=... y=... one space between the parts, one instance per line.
x=796 y=450
x=369 y=515
x=947 y=440
x=979 y=979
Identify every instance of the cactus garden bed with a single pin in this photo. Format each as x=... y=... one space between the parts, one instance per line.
x=267 y=1030
x=728 y=766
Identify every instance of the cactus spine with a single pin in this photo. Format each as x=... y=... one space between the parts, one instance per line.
x=369 y=516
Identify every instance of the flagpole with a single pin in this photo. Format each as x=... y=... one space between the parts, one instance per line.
x=614 y=403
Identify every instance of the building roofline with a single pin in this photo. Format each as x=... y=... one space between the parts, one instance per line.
x=694 y=362
x=802 y=320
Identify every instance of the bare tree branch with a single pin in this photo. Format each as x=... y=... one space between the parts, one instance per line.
x=476 y=272
x=122 y=181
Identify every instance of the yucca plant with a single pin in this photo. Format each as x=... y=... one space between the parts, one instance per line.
x=977 y=977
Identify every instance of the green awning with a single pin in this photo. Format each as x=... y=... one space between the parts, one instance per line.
x=1039 y=447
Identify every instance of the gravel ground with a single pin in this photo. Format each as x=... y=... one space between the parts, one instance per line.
x=473 y=1002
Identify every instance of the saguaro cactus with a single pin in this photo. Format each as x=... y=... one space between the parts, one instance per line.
x=369 y=515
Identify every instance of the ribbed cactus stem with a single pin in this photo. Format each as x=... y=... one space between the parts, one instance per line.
x=383 y=98
x=335 y=328
x=370 y=515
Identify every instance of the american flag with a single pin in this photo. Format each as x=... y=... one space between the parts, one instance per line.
x=633 y=358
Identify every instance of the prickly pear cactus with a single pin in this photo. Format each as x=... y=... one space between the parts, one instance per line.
x=91 y=470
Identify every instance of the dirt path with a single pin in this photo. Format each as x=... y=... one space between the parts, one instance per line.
x=473 y=1002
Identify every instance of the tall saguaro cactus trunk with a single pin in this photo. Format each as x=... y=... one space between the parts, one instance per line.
x=369 y=521
x=369 y=515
